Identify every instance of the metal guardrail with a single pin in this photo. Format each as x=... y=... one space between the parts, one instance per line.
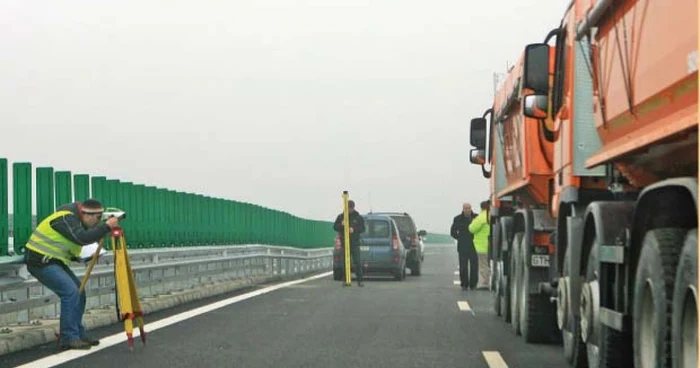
x=157 y=271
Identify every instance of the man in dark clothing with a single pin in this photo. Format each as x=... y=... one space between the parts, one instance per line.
x=357 y=226
x=54 y=244
x=465 y=247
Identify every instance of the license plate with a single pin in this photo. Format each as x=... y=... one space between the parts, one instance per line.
x=540 y=260
x=364 y=248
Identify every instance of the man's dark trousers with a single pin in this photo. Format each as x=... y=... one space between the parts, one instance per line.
x=356 y=262
x=468 y=268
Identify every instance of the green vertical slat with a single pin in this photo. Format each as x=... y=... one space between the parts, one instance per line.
x=217 y=221
x=98 y=188
x=199 y=234
x=124 y=195
x=207 y=220
x=150 y=217
x=138 y=214
x=4 y=218
x=22 y=207
x=81 y=187
x=175 y=224
x=113 y=195
x=161 y=212
x=64 y=188
x=191 y=218
x=44 y=193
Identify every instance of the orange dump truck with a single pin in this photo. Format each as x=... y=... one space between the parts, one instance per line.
x=613 y=91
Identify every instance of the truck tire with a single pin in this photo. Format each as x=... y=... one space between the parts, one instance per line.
x=684 y=330
x=496 y=290
x=569 y=324
x=504 y=291
x=605 y=347
x=653 y=296
x=514 y=281
x=536 y=312
x=496 y=267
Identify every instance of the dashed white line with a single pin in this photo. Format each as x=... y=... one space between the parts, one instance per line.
x=456 y=282
x=456 y=272
x=118 y=338
x=494 y=359
x=465 y=307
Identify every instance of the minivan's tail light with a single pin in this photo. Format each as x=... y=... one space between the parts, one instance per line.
x=337 y=243
x=414 y=241
x=395 y=243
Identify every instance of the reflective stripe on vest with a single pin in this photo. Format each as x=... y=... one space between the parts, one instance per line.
x=49 y=242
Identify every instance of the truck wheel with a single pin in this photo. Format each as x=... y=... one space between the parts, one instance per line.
x=496 y=290
x=515 y=277
x=605 y=347
x=684 y=331
x=495 y=267
x=568 y=323
x=536 y=312
x=505 y=292
x=653 y=296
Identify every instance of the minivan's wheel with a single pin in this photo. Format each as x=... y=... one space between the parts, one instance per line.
x=653 y=296
x=415 y=270
x=684 y=332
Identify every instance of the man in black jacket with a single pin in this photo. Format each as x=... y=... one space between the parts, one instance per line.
x=465 y=247
x=357 y=226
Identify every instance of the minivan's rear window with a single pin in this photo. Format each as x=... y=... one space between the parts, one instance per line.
x=376 y=229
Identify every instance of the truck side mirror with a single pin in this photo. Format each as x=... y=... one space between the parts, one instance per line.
x=536 y=68
x=477 y=133
x=536 y=106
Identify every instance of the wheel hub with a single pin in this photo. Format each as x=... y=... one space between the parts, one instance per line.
x=589 y=311
x=562 y=304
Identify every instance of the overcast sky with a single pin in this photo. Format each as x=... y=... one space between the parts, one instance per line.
x=280 y=103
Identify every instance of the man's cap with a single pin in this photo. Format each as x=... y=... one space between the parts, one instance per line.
x=92 y=206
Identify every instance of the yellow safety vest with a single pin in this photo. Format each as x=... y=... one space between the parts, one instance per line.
x=49 y=242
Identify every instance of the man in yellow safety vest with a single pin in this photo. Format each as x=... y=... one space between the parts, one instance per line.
x=57 y=241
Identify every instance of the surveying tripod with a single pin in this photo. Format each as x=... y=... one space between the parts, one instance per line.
x=128 y=306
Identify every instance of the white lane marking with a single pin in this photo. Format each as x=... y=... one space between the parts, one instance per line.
x=465 y=307
x=69 y=355
x=456 y=282
x=494 y=359
x=456 y=272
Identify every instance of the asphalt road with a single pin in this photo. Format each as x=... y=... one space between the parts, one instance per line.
x=418 y=322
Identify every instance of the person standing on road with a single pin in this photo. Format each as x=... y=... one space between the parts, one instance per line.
x=357 y=227
x=481 y=229
x=468 y=260
x=57 y=241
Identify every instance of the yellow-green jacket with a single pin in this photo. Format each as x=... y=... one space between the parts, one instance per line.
x=481 y=230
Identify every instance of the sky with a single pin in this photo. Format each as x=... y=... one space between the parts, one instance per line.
x=282 y=103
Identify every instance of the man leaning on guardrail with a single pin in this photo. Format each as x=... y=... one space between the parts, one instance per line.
x=57 y=241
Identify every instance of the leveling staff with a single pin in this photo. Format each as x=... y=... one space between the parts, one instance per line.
x=57 y=241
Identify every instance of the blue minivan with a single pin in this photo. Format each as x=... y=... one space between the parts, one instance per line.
x=381 y=250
